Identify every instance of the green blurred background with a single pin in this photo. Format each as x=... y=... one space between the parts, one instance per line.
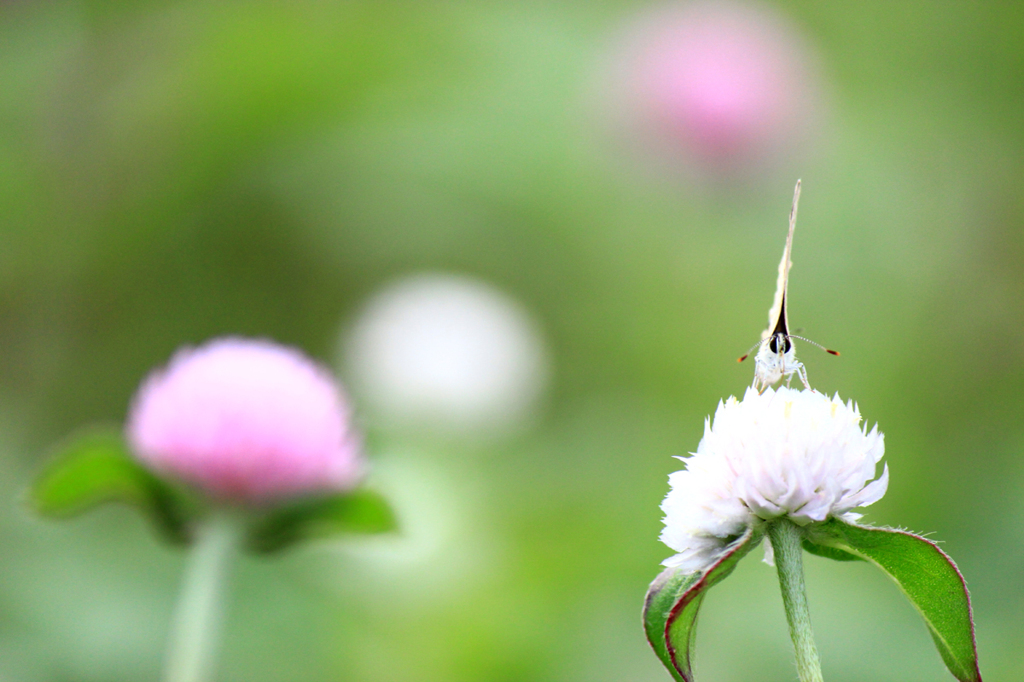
x=171 y=172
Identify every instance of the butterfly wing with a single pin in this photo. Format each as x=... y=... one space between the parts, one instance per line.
x=778 y=319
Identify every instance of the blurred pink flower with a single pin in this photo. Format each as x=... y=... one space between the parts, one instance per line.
x=246 y=420
x=725 y=83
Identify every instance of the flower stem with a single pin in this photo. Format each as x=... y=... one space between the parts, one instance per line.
x=195 y=630
x=785 y=537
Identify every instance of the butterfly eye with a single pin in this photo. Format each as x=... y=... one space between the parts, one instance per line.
x=779 y=341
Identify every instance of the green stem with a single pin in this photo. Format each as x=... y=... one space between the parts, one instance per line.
x=195 y=630
x=786 y=537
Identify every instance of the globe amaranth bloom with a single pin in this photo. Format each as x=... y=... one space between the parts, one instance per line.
x=781 y=453
x=725 y=87
x=246 y=421
x=445 y=352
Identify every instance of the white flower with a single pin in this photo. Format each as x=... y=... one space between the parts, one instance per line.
x=447 y=352
x=798 y=454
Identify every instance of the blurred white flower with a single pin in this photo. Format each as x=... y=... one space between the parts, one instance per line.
x=781 y=453
x=446 y=352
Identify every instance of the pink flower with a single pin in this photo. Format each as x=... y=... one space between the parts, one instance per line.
x=246 y=420
x=724 y=83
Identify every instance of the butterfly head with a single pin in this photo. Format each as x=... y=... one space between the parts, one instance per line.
x=779 y=344
x=775 y=360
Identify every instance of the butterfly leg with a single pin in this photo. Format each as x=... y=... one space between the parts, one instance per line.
x=802 y=371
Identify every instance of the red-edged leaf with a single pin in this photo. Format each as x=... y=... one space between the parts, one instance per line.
x=672 y=603
x=926 y=575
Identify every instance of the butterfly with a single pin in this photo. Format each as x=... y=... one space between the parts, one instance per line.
x=776 y=355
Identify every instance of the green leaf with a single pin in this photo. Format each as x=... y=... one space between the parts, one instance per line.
x=926 y=575
x=360 y=511
x=829 y=552
x=662 y=595
x=673 y=601
x=94 y=468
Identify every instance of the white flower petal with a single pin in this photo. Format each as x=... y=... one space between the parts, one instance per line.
x=870 y=493
x=784 y=452
x=769 y=552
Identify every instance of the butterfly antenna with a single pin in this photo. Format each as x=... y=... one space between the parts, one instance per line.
x=747 y=354
x=814 y=343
